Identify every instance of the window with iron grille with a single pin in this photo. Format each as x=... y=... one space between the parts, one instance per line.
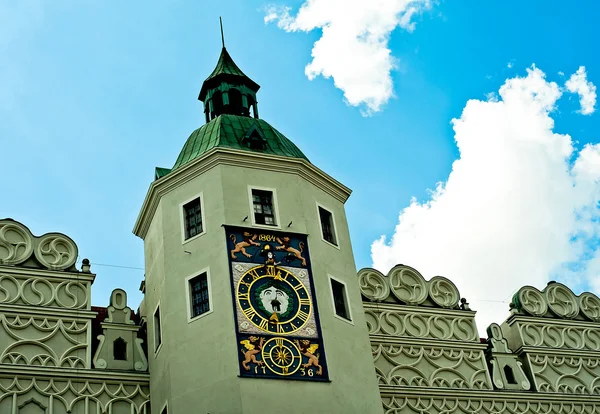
x=327 y=229
x=264 y=212
x=157 y=328
x=200 y=300
x=340 y=302
x=192 y=214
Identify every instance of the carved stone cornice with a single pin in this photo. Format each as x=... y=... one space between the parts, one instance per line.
x=239 y=158
x=420 y=309
x=52 y=274
x=515 y=318
x=426 y=342
x=7 y=371
x=48 y=312
x=423 y=392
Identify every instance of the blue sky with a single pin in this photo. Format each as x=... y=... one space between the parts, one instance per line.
x=93 y=96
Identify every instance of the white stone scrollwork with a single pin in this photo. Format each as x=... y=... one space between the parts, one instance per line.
x=431 y=367
x=590 y=306
x=16 y=243
x=420 y=404
x=36 y=291
x=407 y=285
x=443 y=292
x=373 y=285
x=561 y=301
x=414 y=324
x=565 y=374
x=74 y=395
x=531 y=301
x=559 y=336
x=43 y=342
x=56 y=251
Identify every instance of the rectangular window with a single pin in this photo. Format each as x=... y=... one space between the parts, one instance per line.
x=327 y=227
x=264 y=213
x=192 y=216
x=340 y=301
x=157 y=329
x=199 y=298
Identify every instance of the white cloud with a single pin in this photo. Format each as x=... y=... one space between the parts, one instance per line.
x=586 y=90
x=509 y=65
x=519 y=207
x=353 y=49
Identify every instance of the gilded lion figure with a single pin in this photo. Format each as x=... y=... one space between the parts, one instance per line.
x=247 y=241
x=253 y=346
x=309 y=350
x=284 y=244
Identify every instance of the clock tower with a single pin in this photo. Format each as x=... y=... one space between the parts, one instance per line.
x=251 y=300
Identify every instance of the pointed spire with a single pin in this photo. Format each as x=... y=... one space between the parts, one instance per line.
x=227 y=90
x=222 y=37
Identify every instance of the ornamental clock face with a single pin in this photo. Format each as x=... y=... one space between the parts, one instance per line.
x=274 y=300
x=277 y=323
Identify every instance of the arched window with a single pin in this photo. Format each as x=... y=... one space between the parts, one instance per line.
x=120 y=349
x=235 y=102
x=250 y=107
x=217 y=105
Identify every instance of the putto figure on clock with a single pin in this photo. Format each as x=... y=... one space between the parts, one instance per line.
x=278 y=331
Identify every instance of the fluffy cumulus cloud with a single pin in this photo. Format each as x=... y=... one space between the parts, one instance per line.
x=520 y=205
x=586 y=90
x=353 y=48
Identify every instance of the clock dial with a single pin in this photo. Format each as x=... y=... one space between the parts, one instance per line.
x=276 y=318
x=274 y=300
x=281 y=356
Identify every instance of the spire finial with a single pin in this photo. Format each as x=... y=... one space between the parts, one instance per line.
x=222 y=37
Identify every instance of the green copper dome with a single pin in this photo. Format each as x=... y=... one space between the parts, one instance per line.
x=237 y=132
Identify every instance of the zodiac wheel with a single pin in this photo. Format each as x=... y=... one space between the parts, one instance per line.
x=281 y=356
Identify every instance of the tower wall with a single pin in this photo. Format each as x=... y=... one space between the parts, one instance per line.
x=197 y=367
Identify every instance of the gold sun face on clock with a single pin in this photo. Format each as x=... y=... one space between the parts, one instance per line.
x=274 y=299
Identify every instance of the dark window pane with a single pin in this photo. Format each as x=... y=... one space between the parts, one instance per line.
x=263 y=207
x=157 y=328
x=327 y=226
x=193 y=218
x=120 y=349
x=199 y=295
x=339 y=299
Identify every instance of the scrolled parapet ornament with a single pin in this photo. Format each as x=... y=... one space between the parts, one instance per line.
x=16 y=242
x=589 y=304
x=556 y=300
x=373 y=285
x=531 y=301
x=443 y=292
x=18 y=246
x=56 y=251
x=405 y=285
x=561 y=301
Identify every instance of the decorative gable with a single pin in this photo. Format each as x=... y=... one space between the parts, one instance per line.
x=120 y=348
